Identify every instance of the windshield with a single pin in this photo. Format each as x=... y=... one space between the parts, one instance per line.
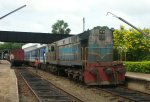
x=100 y=54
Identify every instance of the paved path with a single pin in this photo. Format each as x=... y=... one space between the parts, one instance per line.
x=8 y=83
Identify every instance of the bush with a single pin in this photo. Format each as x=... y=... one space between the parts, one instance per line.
x=142 y=67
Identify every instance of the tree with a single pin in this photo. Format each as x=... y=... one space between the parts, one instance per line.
x=9 y=46
x=133 y=43
x=60 y=27
x=120 y=43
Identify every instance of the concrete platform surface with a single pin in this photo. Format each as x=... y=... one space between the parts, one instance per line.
x=140 y=76
x=138 y=81
x=8 y=83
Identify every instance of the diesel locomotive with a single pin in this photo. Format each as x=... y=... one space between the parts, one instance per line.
x=86 y=57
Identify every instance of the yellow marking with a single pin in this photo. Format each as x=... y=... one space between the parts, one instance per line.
x=85 y=60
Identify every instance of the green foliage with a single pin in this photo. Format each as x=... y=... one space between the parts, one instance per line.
x=131 y=45
x=60 y=27
x=143 y=67
x=10 y=46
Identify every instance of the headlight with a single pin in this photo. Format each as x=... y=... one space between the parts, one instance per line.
x=108 y=71
x=94 y=71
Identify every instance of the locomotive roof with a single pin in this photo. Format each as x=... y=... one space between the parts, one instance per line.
x=85 y=34
x=32 y=46
x=82 y=36
x=29 y=45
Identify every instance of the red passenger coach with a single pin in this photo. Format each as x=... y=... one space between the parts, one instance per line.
x=18 y=56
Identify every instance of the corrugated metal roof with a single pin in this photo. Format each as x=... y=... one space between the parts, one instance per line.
x=30 y=37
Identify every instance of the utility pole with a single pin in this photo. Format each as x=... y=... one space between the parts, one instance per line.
x=129 y=24
x=83 y=24
x=12 y=11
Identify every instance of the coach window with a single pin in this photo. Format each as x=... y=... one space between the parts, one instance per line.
x=52 y=48
x=49 y=49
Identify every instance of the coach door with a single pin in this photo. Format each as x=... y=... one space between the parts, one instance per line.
x=53 y=52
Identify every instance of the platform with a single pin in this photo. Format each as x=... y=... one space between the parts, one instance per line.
x=8 y=83
x=140 y=76
x=138 y=81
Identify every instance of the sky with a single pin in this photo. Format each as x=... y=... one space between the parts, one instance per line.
x=40 y=15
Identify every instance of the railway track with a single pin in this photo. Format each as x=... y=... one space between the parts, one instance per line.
x=128 y=94
x=41 y=91
x=44 y=90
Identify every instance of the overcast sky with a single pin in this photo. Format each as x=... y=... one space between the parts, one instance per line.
x=40 y=15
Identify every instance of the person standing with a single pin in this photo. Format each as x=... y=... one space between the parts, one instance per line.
x=36 y=65
x=12 y=59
